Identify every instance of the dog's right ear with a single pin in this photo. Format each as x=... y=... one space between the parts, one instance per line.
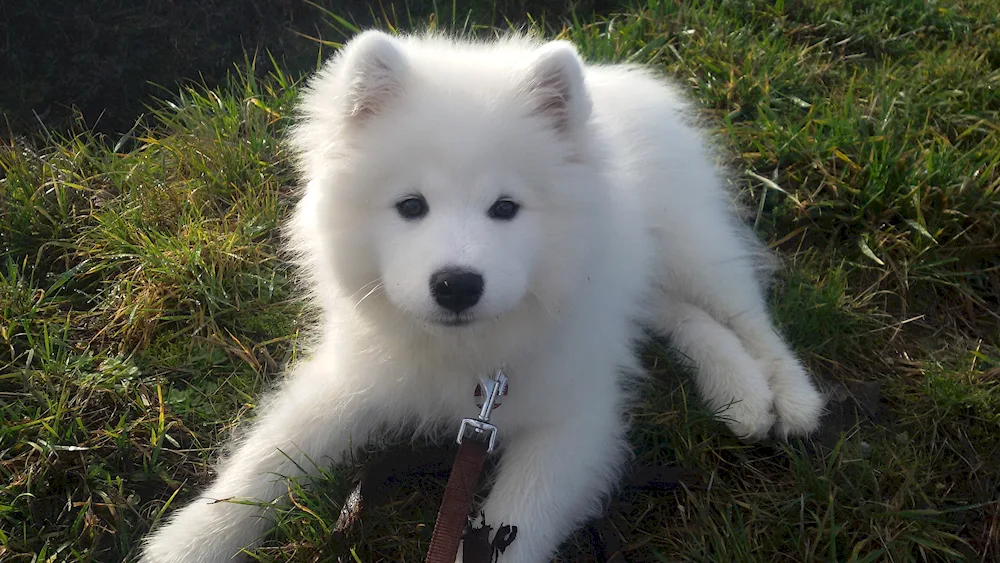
x=374 y=66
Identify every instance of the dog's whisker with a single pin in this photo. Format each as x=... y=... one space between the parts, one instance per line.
x=367 y=286
x=371 y=292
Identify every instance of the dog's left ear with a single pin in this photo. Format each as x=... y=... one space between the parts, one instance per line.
x=555 y=82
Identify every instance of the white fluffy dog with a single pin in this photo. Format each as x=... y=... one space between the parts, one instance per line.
x=472 y=205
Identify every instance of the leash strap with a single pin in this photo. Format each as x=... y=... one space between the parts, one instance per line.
x=477 y=437
x=453 y=516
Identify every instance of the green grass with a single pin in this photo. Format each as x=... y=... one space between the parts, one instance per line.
x=144 y=302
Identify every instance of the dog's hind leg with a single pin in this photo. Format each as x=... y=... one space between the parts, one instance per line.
x=707 y=298
x=727 y=377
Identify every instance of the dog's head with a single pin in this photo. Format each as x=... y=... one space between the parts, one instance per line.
x=447 y=181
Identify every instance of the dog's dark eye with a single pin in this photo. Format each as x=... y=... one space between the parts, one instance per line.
x=504 y=210
x=413 y=207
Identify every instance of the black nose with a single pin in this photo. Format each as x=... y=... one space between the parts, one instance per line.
x=456 y=289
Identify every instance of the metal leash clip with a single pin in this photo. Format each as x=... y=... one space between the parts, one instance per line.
x=479 y=428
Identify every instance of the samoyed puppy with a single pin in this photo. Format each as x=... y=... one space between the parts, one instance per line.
x=471 y=206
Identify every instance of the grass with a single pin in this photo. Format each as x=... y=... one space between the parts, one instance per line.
x=144 y=301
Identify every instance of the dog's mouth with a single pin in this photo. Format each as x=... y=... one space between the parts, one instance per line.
x=455 y=320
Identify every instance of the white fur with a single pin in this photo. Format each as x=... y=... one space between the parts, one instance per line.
x=625 y=222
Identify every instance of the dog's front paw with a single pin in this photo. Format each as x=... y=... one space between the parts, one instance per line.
x=799 y=406
x=750 y=418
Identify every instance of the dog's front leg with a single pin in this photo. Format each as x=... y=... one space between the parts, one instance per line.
x=551 y=480
x=316 y=416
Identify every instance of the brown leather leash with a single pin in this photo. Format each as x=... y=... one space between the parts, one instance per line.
x=477 y=438
x=453 y=516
